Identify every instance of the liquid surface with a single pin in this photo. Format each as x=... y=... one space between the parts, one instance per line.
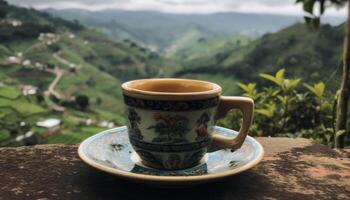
x=172 y=85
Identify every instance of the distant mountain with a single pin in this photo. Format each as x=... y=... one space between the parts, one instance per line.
x=161 y=31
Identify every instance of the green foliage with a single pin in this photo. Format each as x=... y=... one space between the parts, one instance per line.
x=312 y=19
x=286 y=109
x=278 y=78
x=268 y=111
x=9 y=33
x=82 y=101
x=249 y=89
x=319 y=134
x=286 y=85
x=316 y=89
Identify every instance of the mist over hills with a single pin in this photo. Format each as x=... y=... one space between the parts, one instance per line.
x=161 y=31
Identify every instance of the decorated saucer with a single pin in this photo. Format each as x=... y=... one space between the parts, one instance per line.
x=111 y=151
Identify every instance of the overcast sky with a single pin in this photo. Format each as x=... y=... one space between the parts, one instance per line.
x=286 y=7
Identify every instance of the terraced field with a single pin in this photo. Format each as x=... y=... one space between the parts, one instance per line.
x=64 y=61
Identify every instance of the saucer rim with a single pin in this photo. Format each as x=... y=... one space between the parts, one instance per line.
x=144 y=177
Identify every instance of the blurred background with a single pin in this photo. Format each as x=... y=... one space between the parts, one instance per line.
x=62 y=62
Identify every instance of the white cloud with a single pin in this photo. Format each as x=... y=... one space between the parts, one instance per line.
x=285 y=7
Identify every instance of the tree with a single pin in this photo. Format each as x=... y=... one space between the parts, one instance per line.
x=98 y=101
x=40 y=98
x=313 y=20
x=82 y=101
x=3 y=7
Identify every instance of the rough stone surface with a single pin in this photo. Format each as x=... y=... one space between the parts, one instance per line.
x=291 y=169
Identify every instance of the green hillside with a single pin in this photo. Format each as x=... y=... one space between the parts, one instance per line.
x=75 y=71
x=298 y=49
x=183 y=40
x=312 y=56
x=194 y=55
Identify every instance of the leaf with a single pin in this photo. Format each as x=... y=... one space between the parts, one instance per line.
x=247 y=95
x=290 y=84
x=249 y=90
x=319 y=87
x=278 y=78
x=243 y=87
x=308 y=6
x=251 y=86
x=340 y=132
x=310 y=88
x=263 y=112
x=274 y=93
x=270 y=78
x=283 y=99
x=316 y=89
x=269 y=111
x=280 y=75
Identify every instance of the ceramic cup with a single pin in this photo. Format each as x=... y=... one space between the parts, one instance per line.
x=171 y=121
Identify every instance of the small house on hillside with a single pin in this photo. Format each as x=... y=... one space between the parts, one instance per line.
x=29 y=90
x=13 y=60
x=106 y=124
x=49 y=123
x=86 y=122
x=13 y=22
x=26 y=63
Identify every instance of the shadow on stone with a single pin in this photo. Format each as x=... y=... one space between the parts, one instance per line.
x=242 y=186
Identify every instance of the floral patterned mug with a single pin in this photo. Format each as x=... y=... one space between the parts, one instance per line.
x=171 y=121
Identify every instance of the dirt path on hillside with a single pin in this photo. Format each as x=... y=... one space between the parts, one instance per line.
x=51 y=89
x=43 y=43
x=57 y=56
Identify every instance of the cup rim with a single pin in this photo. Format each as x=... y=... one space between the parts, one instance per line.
x=215 y=91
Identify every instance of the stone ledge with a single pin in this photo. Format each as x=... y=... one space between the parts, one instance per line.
x=291 y=169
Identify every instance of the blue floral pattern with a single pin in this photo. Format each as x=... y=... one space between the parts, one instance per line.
x=170 y=129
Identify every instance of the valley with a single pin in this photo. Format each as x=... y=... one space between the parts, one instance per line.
x=71 y=70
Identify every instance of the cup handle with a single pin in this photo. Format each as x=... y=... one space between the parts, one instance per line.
x=246 y=105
